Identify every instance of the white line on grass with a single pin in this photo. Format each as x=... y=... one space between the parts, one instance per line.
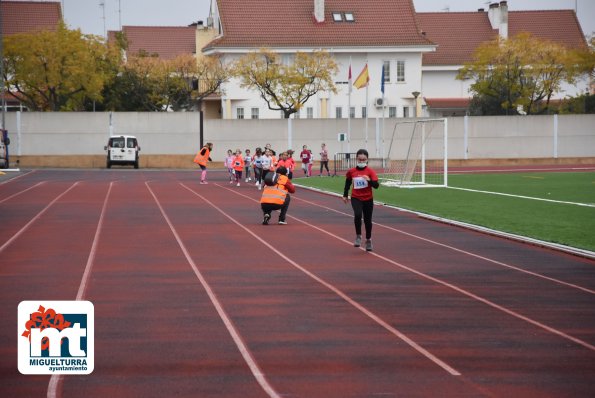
x=524 y=197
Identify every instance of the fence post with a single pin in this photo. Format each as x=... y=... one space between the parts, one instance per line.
x=556 y=136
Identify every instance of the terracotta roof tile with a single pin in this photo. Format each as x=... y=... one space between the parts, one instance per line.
x=560 y=26
x=447 y=103
x=29 y=16
x=458 y=34
x=166 y=41
x=291 y=23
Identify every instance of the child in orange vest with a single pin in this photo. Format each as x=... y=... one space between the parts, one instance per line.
x=238 y=166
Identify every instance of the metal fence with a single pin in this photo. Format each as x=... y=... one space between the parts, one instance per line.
x=346 y=161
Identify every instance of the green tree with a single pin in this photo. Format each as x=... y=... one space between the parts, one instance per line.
x=148 y=83
x=56 y=71
x=286 y=86
x=520 y=73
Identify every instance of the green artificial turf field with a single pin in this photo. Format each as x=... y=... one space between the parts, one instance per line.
x=565 y=223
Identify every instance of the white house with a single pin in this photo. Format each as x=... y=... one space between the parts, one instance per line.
x=379 y=33
x=458 y=34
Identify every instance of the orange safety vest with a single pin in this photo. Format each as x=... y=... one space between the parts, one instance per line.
x=275 y=194
x=202 y=159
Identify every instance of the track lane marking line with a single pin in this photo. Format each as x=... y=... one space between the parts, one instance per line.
x=448 y=285
x=23 y=191
x=23 y=229
x=55 y=381
x=337 y=291
x=17 y=177
x=237 y=338
x=568 y=284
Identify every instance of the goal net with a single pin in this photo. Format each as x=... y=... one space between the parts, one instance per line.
x=417 y=154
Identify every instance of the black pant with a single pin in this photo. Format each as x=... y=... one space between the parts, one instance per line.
x=267 y=208
x=324 y=163
x=366 y=208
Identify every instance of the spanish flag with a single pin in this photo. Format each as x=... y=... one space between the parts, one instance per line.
x=363 y=79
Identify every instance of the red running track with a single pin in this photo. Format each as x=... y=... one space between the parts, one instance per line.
x=194 y=298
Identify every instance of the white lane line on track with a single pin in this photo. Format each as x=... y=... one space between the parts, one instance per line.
x=17 y=177
x=334 y=289
x=56 y=379
x=237 y=338
x=584 y=289
x=448 y=285
x=22 y=230
x=23 y=191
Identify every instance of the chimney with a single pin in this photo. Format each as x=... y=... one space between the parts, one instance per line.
x=498 y=16
x=503 y=28
x=319 y=10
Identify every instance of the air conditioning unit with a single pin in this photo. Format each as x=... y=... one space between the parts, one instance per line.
x=379 y=102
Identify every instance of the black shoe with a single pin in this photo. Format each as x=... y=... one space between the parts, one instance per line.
x=266 y=219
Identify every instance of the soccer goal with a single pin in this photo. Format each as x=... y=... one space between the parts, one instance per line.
x=417 y=154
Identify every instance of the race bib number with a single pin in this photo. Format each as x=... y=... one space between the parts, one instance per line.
x=360 y=183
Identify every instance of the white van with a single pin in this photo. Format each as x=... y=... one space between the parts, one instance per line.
x=122 y=149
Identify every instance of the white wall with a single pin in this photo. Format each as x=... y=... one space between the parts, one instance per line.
x=488 y=137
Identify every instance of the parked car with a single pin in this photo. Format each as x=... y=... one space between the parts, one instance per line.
x=4 y=142
x=122 y=150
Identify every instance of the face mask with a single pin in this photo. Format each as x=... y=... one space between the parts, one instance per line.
x=361 y=165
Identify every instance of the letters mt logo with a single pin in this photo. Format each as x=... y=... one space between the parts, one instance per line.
x=56 y=337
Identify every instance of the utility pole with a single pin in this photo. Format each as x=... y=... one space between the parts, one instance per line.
x=102 y=5
x=2 y=92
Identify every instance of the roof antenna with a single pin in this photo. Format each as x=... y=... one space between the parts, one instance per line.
x=446 y=8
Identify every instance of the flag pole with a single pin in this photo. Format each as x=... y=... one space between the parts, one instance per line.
x=349 y=110
x=382 y=89
x=367 y=113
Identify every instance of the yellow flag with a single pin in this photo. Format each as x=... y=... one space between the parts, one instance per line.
x=363 y=79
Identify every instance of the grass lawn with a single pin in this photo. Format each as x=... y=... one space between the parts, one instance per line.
x=562 y=223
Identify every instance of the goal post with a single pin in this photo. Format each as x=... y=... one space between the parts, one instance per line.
x=417 y=155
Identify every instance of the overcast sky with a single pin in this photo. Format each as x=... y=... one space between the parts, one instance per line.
x=88 y=15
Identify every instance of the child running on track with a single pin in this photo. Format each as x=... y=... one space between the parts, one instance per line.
x=202 y=157
x=248 y=165
x=324 y=159
x=238 y=166
x=306 y=157
x=257 y=163
x=362 y=179
x=267 y=163
x=228 y=163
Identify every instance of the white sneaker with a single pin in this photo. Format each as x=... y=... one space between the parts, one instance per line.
x=238 y=184
x=247 y=179
x=256 y=183
x=259 y=187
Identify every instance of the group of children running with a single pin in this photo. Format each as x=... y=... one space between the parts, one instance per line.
x=360 y=180
x=245 y=165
